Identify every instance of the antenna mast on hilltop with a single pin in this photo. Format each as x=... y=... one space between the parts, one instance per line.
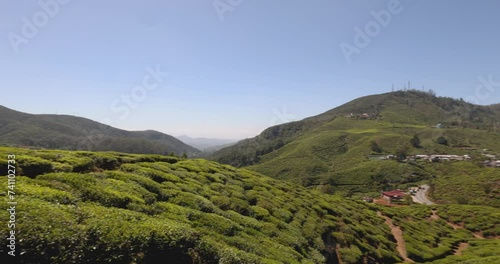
x=393 y=87
x=409 y=86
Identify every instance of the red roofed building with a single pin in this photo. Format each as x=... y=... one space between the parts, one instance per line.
x=394 y=195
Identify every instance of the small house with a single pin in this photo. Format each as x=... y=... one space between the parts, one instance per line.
x=394 y=195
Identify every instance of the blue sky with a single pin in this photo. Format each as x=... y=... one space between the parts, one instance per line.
x=264 y=63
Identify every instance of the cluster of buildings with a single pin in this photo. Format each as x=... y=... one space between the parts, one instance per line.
x=492 y=163
x=436 y=158
x=362 y=116
x=430 y=158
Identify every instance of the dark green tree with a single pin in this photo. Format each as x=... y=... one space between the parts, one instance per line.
x=442 y=140
x=415 y=141
x=375 y=147
x=401 y=154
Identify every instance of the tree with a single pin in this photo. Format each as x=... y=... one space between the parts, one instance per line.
x=375 y=147
x=415 y=141
x=442 y=140
x=401 y=154
x=184 y=155
x=407 y=200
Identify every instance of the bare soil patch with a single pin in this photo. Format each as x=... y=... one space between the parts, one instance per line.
x=398 y=235
x=461 y=247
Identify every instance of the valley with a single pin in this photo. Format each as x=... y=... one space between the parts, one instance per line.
x=300 y=192
x=250 y=132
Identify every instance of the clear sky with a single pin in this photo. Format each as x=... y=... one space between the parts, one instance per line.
x=236 y=69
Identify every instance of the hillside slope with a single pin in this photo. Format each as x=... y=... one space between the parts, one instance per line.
x=76 y=133
x=397 y=108
x=340 y=148
x=496 y=108
x=90 y=207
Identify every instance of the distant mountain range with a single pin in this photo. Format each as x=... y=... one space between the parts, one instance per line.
x=207 y=144
x=76 y=133
x=334 y=148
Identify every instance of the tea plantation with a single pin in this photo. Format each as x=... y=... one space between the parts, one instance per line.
x=107 y=207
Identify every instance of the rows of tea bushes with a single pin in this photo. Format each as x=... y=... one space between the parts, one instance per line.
x=87 y=207
x=434 y=239
x=143 y=209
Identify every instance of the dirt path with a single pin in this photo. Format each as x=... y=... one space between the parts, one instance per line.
x=338 y=255
x=434 y=216
x=461 y=247
x=454 y=226
x=478 y=235
x=398 y=235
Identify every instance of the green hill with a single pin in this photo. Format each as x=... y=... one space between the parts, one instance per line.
x=496 y=108
x=338 y=150
x=76 y=133
x=108 y=207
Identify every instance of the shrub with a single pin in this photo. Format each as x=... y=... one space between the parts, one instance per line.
x=33 y=166
x=258 y=212
x=106 y=163
x=375 y=147
x=351 y=254
x=442 y=141
x=415 y=141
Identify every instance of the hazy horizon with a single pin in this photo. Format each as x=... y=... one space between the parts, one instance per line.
x=235 y=71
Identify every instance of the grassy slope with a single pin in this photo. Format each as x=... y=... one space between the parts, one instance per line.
x=339 y=157
x=466 y=183
x=496 y=108
x=336 y=152
x=70 y=132
x=409 y=108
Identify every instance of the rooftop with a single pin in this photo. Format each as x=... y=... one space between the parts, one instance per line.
x=394 y=193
